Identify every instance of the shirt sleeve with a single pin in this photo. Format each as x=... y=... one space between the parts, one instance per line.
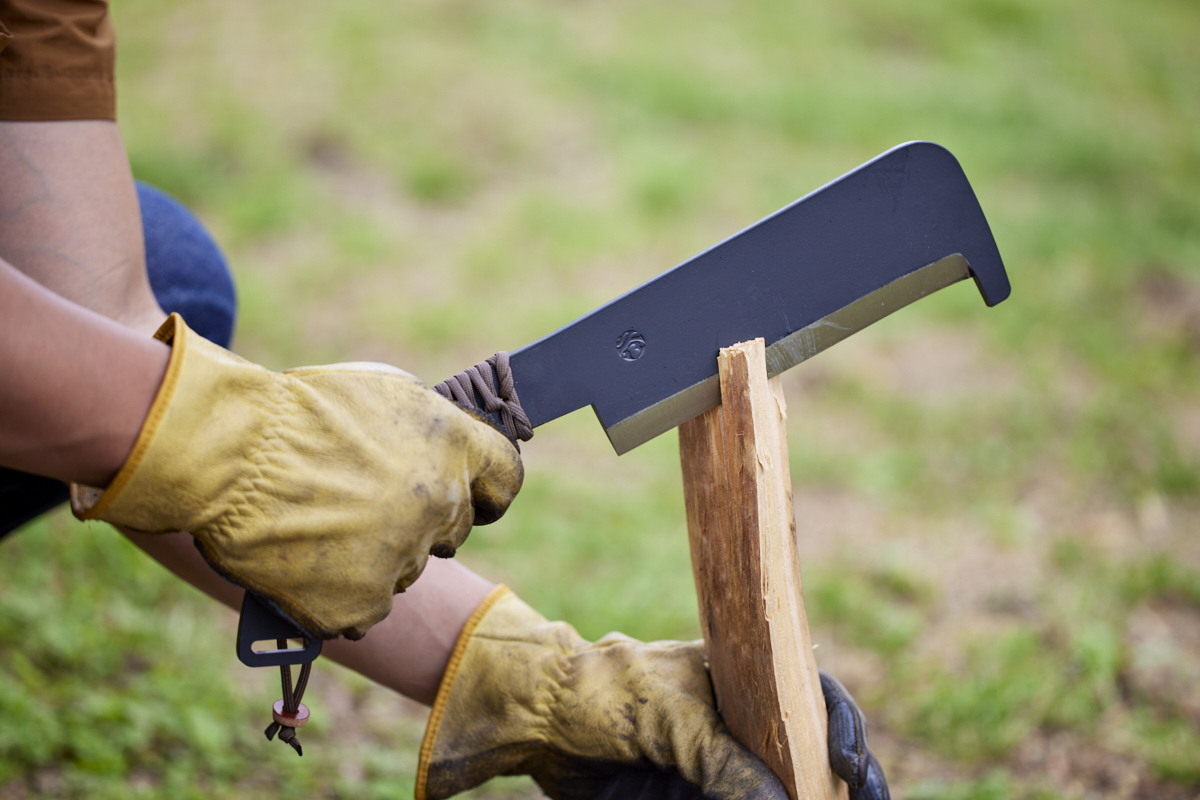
x=57 y=61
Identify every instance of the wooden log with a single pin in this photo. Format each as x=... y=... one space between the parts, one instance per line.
x=741 y=525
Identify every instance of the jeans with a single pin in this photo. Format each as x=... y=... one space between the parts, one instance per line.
x=188 y=275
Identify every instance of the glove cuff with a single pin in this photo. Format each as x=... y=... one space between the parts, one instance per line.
x=438 y=711
x=89 y=502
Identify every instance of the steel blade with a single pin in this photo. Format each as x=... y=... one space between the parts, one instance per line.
x=896 y=229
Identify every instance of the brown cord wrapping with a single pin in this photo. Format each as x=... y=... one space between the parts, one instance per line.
x=463 y=386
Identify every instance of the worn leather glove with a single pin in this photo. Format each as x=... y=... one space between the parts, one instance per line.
x=323 y=489
x=614 y=719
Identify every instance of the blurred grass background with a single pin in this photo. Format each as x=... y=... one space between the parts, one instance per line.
x=997 y=508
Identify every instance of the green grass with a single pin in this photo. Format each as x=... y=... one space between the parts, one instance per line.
x=999 y=505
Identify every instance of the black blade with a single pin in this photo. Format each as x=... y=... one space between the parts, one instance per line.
x=897 y=228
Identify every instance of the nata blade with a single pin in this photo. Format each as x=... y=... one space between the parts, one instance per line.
x=899 y=227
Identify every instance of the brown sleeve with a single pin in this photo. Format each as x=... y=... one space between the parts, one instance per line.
x=58 y=63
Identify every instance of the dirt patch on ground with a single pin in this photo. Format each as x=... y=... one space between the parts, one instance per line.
x=1169 y=307
x=931 y=365
x=1163 y=642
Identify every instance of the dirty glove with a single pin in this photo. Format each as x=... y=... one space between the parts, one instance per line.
x=614 y=719
x=323 y=489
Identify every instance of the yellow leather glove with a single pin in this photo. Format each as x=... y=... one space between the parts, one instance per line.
x=323 y=489
x=617 y=718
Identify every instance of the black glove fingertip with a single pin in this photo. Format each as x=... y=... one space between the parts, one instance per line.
x=847 y=736
x=845 y=746
x=875 y=786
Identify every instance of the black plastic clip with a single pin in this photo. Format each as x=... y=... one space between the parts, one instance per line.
x=260 y=623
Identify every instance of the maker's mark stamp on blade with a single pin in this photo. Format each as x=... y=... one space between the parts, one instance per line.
x=631 y=345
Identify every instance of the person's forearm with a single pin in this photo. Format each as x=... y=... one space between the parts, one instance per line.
x=407 y=652
x=76 y=385
x=69 y=217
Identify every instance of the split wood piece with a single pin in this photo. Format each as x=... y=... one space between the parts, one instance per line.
x=742 y=530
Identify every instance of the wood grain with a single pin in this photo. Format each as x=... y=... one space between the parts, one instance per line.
x=742 y=530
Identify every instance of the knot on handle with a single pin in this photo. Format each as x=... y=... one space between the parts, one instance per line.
x=462 y=389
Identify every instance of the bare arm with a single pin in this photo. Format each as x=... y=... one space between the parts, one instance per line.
x=76 y=385
x=69 y=217
x=407 y=652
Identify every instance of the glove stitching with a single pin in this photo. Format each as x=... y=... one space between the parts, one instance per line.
x=437 y=712
x=111 y=495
